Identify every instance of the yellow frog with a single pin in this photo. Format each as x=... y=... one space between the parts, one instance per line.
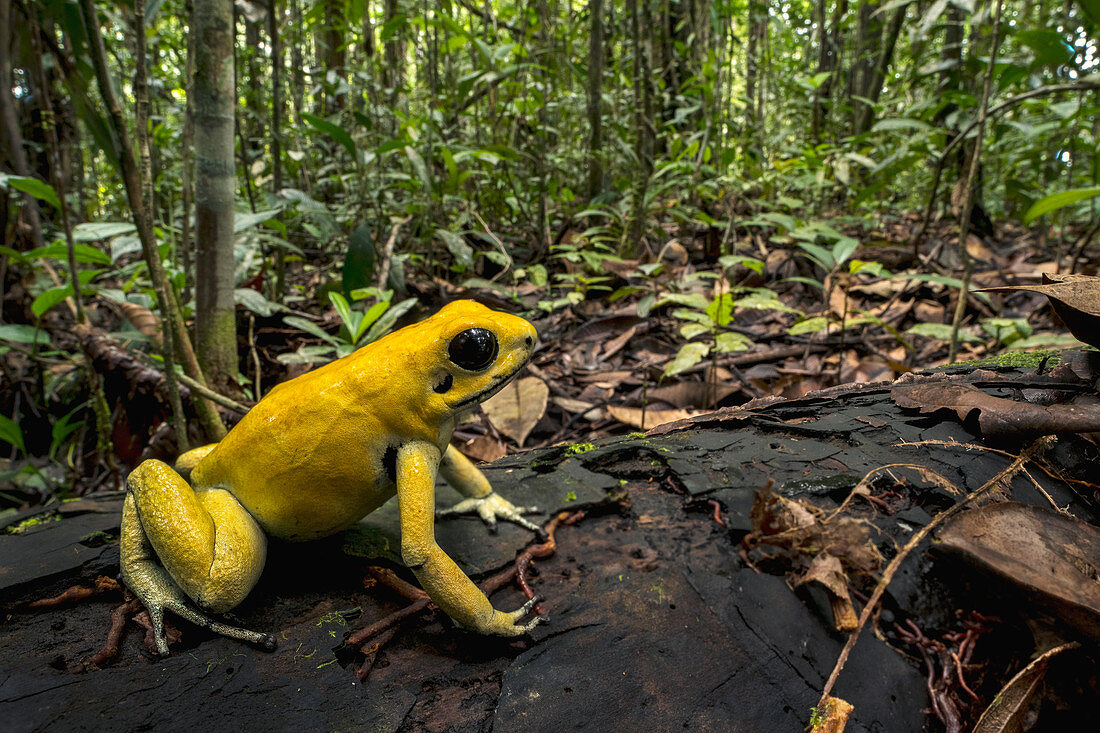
x=317 y=454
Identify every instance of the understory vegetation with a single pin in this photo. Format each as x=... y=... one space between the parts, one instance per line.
x=698 y=202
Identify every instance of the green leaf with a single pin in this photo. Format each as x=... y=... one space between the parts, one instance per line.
x=255 y=301
x=49 y=299
x=246 y=221
x=312 y=354
x=844 y=248
x=10 y=432
x=689 y=355
x=720 y=310
x=900 y=123
x=95 y=231
x=691 y=330
x=53 y=296
x=387 y=319
x=310 y=328
x=457 y=246
x=370 y=317
x=23 y=334
x=336 y=132
x=810 y=325
x=732 y=341
x=358 y=269
x=419 y=166
x=1059 y=200
x=60 y=251
x=692 y=300
x=34 y=187
x=941 y=331
x=818 y=254
x=728 y=261
x=351 y=319
x=1050 y=47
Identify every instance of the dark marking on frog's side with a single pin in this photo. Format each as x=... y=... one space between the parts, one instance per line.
x=389 y=463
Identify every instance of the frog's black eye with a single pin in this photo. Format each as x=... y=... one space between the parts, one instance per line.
x=474 y=349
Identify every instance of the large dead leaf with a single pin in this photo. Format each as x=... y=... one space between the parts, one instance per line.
x=647 y=419
x=1076 y=300
x=693 y=394
x=1007 y=711
x=517 y=408
x=1052 y=558
x=997 y=415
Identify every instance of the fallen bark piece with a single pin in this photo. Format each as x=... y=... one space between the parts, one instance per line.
x=1075 y=298
x=1052 y=558
x=833 y=718
x=1006 y=713
x=997 y=415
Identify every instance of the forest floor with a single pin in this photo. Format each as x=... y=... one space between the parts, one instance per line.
x=688 y=594
x=669 y=596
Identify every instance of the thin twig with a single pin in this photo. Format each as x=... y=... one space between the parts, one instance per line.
x=1037 y=446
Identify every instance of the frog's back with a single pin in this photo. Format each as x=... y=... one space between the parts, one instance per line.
x=311 y=458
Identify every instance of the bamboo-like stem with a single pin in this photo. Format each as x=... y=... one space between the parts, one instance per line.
x=215 y=430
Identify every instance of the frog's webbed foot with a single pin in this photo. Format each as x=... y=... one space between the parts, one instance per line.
x=159 y=593
x=492 y=507
x=507 y=623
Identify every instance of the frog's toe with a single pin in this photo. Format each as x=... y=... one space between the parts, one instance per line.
x=492 y=508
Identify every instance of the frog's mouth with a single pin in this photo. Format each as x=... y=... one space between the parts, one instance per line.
x=495 y=386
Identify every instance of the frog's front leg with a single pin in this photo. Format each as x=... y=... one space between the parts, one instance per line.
x=462 y=474
x=438 y=574
x=180 y=548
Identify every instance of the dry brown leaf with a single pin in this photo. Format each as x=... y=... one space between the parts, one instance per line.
x=615 y=345
x=633 y=416
x=572 y=406
x=1007 y=711
x=143 y=320
x=693 y=394
x=997 y=415
x=517 y=408
x=484 y=448
x=1053 y=559
x=1076 y=300
x=827 y=570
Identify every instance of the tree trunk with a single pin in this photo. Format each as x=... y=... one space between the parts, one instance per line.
x=594 y=92
x=641 y=30
x=10 y=122
x=873 y=87
x=215 y=317
x=868 y=43
x=333 y=57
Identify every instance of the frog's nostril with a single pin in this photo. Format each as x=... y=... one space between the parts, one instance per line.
x=528 y=341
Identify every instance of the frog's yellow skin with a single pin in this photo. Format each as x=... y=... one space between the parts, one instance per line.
x=316 y=455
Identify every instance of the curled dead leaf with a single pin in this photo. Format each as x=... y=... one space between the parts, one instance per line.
x=1075 y=298
x=1007 y=711
x=647 y=419
x=143 y=320
x=997 y=415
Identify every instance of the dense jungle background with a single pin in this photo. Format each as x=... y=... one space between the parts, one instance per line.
x=698 y=202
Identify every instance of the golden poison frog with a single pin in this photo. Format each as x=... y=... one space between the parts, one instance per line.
x=317 y=454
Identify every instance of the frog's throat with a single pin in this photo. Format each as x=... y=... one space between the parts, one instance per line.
x=492 y=389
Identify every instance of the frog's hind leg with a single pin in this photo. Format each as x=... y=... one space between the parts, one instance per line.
x=181 y=548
